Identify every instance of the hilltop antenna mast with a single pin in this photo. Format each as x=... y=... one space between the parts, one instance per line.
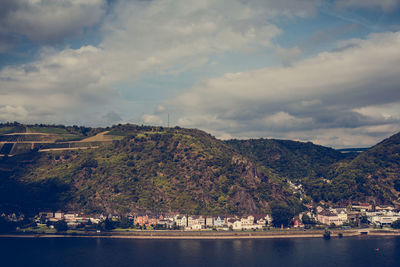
x=168 y=120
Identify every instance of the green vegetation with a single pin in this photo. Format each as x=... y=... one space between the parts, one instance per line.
x=162 y=169
x=152 y=168
x=308 y=221
x=61 y=226
x=396 y=224
x=327 y=235
x=282 y=214
x=328 y=175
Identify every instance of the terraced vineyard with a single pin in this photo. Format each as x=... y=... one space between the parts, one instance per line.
x=6 y=148
x=18 y=139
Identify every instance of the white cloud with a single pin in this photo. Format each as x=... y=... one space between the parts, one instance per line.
x=283 y=120
x=13 y=113
x=152 y=119
x=163 y=37
x=159 y=109
x=61 y=86
x=289 y=55
x=139 y=38
x=385 y=5
x=322 y=93
x=323 y=98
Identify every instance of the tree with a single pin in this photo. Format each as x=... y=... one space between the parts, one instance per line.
x=327 y=235
x=364 y=220
x=105 y=225
x=281 y=214
x=6 y=226
x=125 y=223
x=396 y=224
x=61 y=226
x=307 y=220
x=332 y=226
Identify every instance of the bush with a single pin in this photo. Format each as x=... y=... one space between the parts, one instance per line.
x=61 y=226
x=327 y=235
x=396 y=224
x=307 y=220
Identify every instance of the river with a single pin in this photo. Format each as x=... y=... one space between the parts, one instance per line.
x=91 y=252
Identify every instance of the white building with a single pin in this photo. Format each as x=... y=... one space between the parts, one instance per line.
x=236 y=224
x=58 y=215
x=219 y=222
x=328 y=218
x=181 y=221
x=383 y=217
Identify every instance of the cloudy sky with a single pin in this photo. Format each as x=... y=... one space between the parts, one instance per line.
x=313 y=70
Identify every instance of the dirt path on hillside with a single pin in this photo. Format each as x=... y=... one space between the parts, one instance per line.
x=100 y=137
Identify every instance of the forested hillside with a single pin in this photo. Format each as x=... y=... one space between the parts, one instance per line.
x=152 y=168
x=130 y=168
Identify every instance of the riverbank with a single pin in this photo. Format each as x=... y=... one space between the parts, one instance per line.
x=212 y=235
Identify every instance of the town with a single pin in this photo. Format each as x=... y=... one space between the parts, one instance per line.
x=319 y=217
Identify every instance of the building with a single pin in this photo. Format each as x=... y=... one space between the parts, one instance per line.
x=384 y=208
x=235 y=224
x=181 y=221
x=363 y=207
x=383 y=218
x=167 y=222
x=248 y=223
x=153 y=220
x=209 y=221
x=70 y=217
x=141 y=219
x=59 y=215
x=341 y=213
x=219 y=221
x=328 y=218
x=46 y=214
x=195 y=222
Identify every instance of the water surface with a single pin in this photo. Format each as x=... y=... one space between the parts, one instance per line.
x=75 y=251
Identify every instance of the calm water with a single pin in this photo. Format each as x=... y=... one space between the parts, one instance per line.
x=270 y=252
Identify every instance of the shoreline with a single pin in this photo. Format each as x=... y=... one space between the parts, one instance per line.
x=205 y=236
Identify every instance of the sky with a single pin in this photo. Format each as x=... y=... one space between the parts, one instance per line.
x=310 y=70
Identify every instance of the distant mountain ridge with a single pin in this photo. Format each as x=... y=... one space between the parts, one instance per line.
x=130 y=168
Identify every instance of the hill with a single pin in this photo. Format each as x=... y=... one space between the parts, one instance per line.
x=129 y=168
x=151 y=169
x=326 y=174
x=291 y=159
x=373 y=176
